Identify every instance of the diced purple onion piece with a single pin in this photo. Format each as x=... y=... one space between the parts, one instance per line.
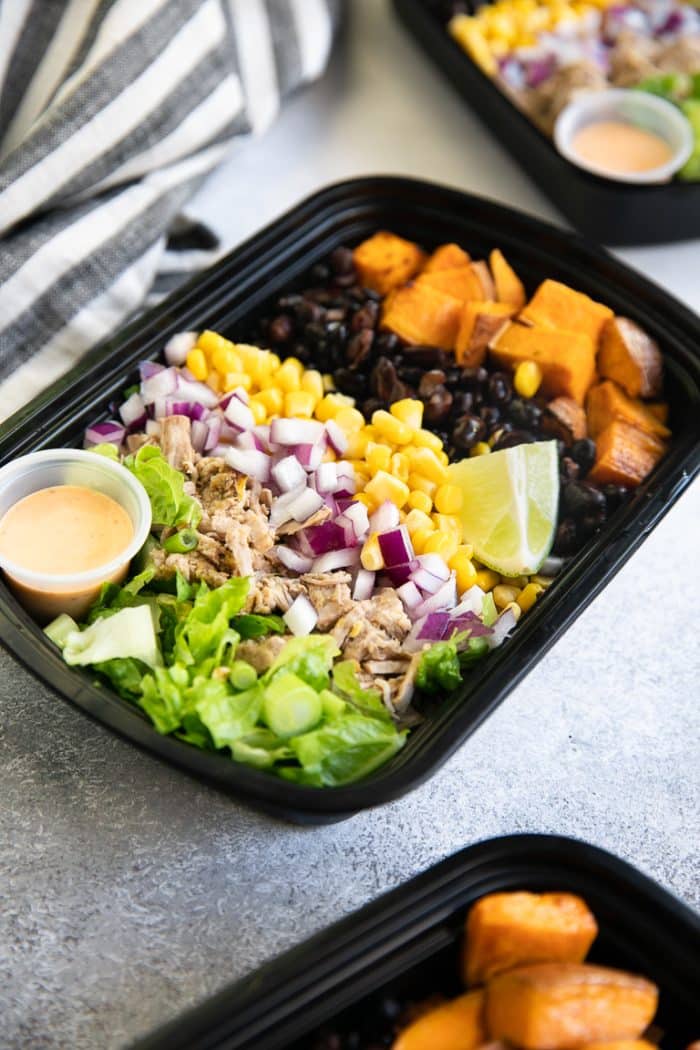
x=396 y=546
x=214 y=433
x=428 y=583
x=301 y=617
x=364 y=585
x=350 y=538
x=324 y=537
x=400 y=574
x=245 y=440
x=337 y=437
x=111 y=433
x=342 y=559
x=149 y=368
x=262 y=433
x=199 y=433
x=471 y=601
x=239 y=415
x=291 y=559
x=251 y=462
x=309 y=456
x=409 y=595
x=288 y=473
x=178 y=347
x=326 y=477
x=296 y=431
x=159 y=385
x=357 y=514
x=306 y=504
x=444 y=598
x=281 y=511
x=435 y=565
x=193 y=390
x=133 y=411
x=469 y=622
x=152 y=428
x=385 y=517
x=502 y=627
x=436 y=627
x=161 y=408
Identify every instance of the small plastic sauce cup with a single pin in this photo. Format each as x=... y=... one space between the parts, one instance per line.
x=641 y=110
x=46 y=595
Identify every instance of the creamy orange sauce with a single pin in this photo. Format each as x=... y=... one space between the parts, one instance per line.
x=620 y=147
x=65 y=529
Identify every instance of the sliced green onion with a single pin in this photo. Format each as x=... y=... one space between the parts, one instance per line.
x=181 y=542
x=242 y=675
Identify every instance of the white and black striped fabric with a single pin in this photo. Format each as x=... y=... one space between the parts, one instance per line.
x=112 y=112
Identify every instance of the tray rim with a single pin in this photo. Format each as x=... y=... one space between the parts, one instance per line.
x=313 y=804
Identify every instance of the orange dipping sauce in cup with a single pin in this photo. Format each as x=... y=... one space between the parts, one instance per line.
x=619 y=147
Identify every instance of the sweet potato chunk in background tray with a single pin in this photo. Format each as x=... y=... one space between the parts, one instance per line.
x=622 y=1044
x=385 y=261
x=447 y=257
x=631 y=357
x=488 y=285
x=607 y=401
x=480 y=323
x=456 y=1025
x=567 y=359
x=509 y=287
x=625 y=455
x=555 y=305
x=422 y=315
x=462 y=282
x=554 y=1006
x=505 y=930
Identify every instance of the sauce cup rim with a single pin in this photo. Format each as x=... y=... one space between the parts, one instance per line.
x=43 y=581
x=592 y=102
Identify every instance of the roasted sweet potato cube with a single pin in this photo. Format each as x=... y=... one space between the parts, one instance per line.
x=607 y=401
x=418 y=314
x=509 y=929
x=386 y=261
x=447 y=257
x=660 y=410
x=570 y=417
x=631 y=357
x=481 y=322
x=509 y=287
x=567 y=359
x=625 y=455
x=553 y=1006
x=622 y=1044
x=555 y=305
x=462 y=282
x=456 y=1025
x=488 y=285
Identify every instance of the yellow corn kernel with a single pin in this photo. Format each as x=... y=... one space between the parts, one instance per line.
x=377 y=457
x=426 y=439
x=448 y=499
x=384 y=487
x=465 y=550
x=371 y=433
x=295 y=363
x=213 y=380
x=288 y=377
x=350 y=420
x=528 y=596
x=419 y=500
x=371 y=555
x=209 y=341
x=312 y=383
x=443 y=457
x=543 y=581
x=515 y=581
x=231 y=380
x=480 y=449
x=325 y=409
x=527 y=378
x=417 y=519
x=503 y=595
x=390 y=428
x=357 y=445
x=417 y=483
x=424 y=461
x=442 y=544
x=362 y=497
x=273 y=400
x=328 y=383
x=197 y=364
x=399 y=466
x=299 y=404
x=464 y=570
x=225 y=359
x=487 y=580
x=450 y=525
x=409 y=410
x=329 y=456
x=420 y=537
x=259 y=411
x=515 y=609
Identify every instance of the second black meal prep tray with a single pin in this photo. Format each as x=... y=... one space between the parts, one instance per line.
x=228 y=298
x=405 y=946
x=609 y=211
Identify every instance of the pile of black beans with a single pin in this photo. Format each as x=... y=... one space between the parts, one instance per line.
x=378 y=1023
x=333 y=325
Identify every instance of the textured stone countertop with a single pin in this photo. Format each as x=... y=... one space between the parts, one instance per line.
x=129 y=891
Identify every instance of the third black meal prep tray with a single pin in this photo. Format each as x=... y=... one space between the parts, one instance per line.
x=609 y=211
x=405 y=945
x=228 y=298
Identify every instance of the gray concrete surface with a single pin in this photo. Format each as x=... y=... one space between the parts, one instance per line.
x=128 y=891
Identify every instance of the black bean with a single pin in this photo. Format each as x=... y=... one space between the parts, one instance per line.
x=385 y=383
x=583 y=451
x=515 y=437
x=366 y=317
x=468 y=430
x=453 y=376
x=320 y=273
x=579 y=499
x=335 y=313
x=499 y=389
x=341 y=261
x=491 y=415
x=426 y=356
x=438 y=405
x=525 y=414
x=462 y=402
x=288 y=302
x=360 y=347
x=412 y=376
x=371 y=405
x=614 y=496
x=387 y=342
x=566 y=539
x=344 y=281
x=570 y=469
x=431 y=381
x=280 y=329
x=352 y=383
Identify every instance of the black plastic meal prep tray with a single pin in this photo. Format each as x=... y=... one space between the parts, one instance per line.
x=229 y=298
x=611 y=212
x=405 y=945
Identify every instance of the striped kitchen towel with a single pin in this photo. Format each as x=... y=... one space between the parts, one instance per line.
x=112 y=112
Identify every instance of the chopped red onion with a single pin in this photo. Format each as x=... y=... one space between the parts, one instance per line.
x=178 y=347
x=364 y=585
x=159 y=385
x=214 y=433
x=337 y=560
x=296 y=431
x=262 y=433
x=249 y=461
x=435 y=565
x=239 y=415
x=289 y=473
x=149 y=368
x=471 y=601
x=305 y=504
x=152 y=428
x=400 y=574
x=428 y=583
x=245 y=440
x=470 y=622
x=199 y=432
x=396 y=546
x=326 y=477
x=409 y=595
x=336 y=437
x=436 y=626
x=280 y=512
x=324 y=537
x=357 y=514
x=192 y=390
x=444 y=598
x=309 y=456
x=502 y=627
x=111 y=433
x=161 y=408
x=291 y=559
x=385 y=517
x=301 y=617
x=133 y=411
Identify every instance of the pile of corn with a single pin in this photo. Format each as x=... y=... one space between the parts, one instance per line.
x=394 y=458
x=499 y=28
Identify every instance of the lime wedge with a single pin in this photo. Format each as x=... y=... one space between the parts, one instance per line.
x=509 y=510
